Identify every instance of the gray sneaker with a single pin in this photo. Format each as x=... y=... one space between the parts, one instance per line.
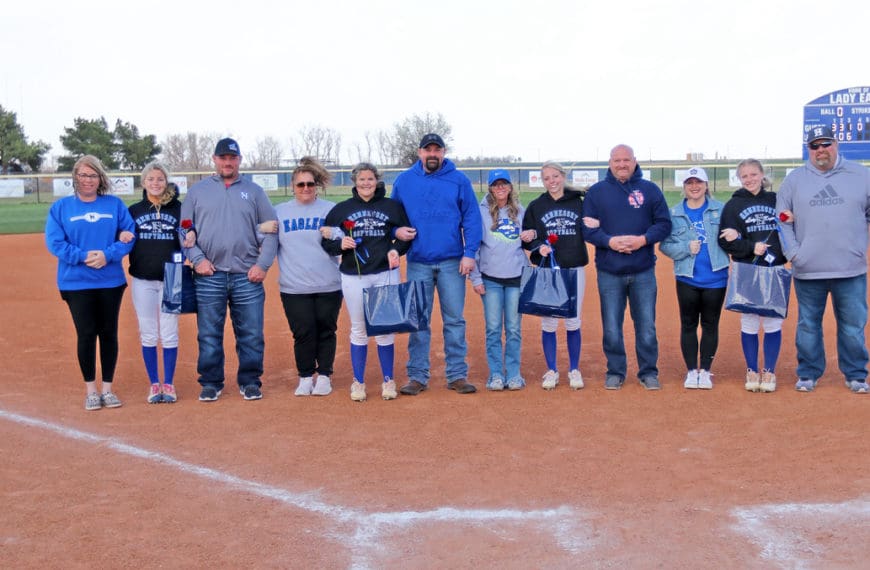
x=805 y=385
x=93 y=402
x=859 y=386
x=612 y=382
x=651 y=383
x=110 y=400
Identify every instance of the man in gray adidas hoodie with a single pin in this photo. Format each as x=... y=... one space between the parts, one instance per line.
x=825 y=207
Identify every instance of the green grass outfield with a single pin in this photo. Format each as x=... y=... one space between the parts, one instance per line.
x=29 y=218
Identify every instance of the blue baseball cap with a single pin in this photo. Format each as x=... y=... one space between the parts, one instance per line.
x=818 y=132
x=432 y=138
x=227 y=146
x=498 y=174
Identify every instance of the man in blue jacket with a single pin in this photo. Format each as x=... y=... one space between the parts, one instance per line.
x=624 y=217
x=442 y=208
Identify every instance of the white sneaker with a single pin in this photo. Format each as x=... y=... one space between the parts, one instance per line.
x=752 y=382
x=550 y=379
x=388 y=391
x=768 y=381
x=691 y=380
x=705 y=380
x=357 y=391
x=306 y=384
x=323 y=386
x=575 y=379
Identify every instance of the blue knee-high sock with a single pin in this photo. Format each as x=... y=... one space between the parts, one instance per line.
x=573 y=341
x=385 y=355
x=358 y=355
x=772 y=342
x=548 y=340
x=170 y=355
x=750 y=350
x=149 y=355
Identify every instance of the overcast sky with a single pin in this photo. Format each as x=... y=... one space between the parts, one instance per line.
x=542 y=79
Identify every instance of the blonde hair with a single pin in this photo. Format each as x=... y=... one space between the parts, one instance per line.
x=766 y=184
x=170 y=190
x=512 y=205
x=94 y=164
x=309 y=164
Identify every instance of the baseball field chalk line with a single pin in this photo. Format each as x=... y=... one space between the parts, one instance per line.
x=784 y=532
x=364 y=540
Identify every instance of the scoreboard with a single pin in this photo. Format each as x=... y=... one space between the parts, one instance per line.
x=847 y=113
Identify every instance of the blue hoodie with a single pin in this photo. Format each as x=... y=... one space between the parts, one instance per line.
x=635 y=207
x=443 y=208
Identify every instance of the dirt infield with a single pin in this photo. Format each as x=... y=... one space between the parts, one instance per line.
x=528 y=479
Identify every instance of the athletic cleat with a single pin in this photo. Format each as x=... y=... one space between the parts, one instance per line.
x=768 y=381
x=357 y=391
x=168 y=392
x=550 y=379
x=753 y=383
x=575 y=379
x=691 y=380
x=388 y=390
x=154 y=396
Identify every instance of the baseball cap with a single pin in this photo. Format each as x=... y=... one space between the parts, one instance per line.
x=498 y=174
x=431 y=138
x=819 y=132
x=695 y=172
x=227 y=146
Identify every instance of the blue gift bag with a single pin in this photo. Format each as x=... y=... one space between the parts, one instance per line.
x=548 y=292
x=179 y=290
x=758 y=290
x=397 y=308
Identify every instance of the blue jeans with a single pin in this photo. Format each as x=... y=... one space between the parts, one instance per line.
x=639 y=289
x=444 y=277
x=245 y=299
x=500 y=305
x=849 y=296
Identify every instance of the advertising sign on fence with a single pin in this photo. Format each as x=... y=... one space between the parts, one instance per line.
x=269 y=182
x=62 y=186
x=13 y=188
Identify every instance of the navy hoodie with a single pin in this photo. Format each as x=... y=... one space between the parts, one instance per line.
x=156 y=236
x=375 y=222
x=754 y=218
x=634 y=207
x=562 y=217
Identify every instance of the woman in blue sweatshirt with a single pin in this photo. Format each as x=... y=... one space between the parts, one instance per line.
x=82 y=231
x=558 y=212
x=496 y=278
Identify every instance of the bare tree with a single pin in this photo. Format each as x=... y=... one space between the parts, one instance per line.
x=267 y=154
x=324 y=143
x=399 y=145
x=189 y=151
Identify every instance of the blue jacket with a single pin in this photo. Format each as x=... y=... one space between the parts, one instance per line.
x=676 y=245
x=636 y=207
x=443 y=208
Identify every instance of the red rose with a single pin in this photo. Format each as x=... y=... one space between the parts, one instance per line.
x=552 y=239
x=186 y=224
x=783 y=217
x=348 y=224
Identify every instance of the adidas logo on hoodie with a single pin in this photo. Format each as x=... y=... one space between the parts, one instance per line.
x=827 y=197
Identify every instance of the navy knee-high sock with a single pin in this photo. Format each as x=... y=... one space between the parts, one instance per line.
x=548 y=340
x=149 y=355
x=772 y=342
x=750 y=350
x=358 y=355
x=573 y=341
x=170 y=355
x=386 y=356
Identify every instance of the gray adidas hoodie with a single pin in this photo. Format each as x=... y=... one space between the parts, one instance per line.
x=501 y=254
x=828 y=239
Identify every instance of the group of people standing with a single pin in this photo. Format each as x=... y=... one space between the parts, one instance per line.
x=331 y=252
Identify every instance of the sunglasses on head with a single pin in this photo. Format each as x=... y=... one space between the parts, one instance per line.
x=306 y=184
x=816 y=145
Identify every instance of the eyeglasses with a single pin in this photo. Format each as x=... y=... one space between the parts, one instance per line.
x=306 y=184
x=818 y=145
x=88 y=176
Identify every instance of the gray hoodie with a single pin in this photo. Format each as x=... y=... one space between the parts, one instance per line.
x=305 y=267
x=828 y=239
x=501 y=253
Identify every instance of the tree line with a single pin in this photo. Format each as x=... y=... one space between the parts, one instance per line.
x=123 y=147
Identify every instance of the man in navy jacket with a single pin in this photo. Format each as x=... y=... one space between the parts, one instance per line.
x=625 y=216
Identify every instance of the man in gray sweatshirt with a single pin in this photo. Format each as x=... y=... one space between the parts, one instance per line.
x=825 y=207
x=225 y=211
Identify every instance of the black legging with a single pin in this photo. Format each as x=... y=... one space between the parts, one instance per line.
x=704 y=305
x=313 y=318
x=95 y=315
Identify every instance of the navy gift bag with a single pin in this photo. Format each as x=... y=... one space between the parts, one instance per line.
x=397 y=308
x=548 y=292
x=179 y=291
x=758 y=290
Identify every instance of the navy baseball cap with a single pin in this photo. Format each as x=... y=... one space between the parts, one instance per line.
x=819 y=132
x=431 y=138
x=498 y=174
x=227 y=146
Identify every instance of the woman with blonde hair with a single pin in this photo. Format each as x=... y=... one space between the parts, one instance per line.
x=82 y=231
x=157 y=218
